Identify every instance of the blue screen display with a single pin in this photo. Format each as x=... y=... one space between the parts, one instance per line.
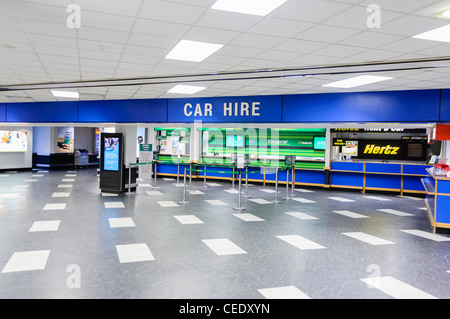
x=111 y=154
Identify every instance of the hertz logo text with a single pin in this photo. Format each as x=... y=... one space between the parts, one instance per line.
x=388 y=150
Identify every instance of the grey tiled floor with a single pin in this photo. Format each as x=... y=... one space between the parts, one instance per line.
x=63 y=239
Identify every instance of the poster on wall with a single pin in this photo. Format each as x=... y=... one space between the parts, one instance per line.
x=13 y=141
x=65 y=140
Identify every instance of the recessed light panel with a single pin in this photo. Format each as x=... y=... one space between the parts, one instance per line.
x=441 y=34
x=186 y=89
x=193 y=51
x=357 y=81
x=444 y=14
x=66 y=94
x=255 y=7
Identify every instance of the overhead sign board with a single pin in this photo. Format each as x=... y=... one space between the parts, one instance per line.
x=247 y=109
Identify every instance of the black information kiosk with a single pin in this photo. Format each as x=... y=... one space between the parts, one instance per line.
x=111 y=162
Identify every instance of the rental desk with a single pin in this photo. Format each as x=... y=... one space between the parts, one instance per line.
x=393 y=177
x=437 y=200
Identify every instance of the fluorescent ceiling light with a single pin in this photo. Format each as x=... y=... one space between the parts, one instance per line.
x=357 y=81
x=255 y=7
x=193 y=51
x=444 y=14
x=186 y=89
x=440 y=34
x=66 y=94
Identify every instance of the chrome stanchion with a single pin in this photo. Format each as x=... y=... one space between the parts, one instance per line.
x=184 y=190
x=178 y=173
x=204 y=179
x=287 y=185
x=239 y=194
x=246 y=184
x=155 y=175
x=276 y=201
x=293 y=182
x=129 y=179
x=232 y=179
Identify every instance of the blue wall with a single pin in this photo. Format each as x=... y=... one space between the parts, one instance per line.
x=362 y=107
x=396 y=106
x=445 y=106
x=123 y=111
x=42 y=112
x=2 y=112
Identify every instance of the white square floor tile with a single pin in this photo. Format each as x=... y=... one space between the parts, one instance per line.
x=30 y=180
x=381 y=199
x=37 y=175
x=303 y=190
x=59 y=206
x=47 y=225
x=270 y=191
x=350 y=214
x=65 y=186
x=260 y=201
x=121 y=222
x=144 y=185
x=232 y=191
x=426 y=235
x=178 y=184
x=196 y=192
x=134 y=253
x=26 y=261
x=167 y=203
x=341 y=199
x=301 y=216
x=248 y=217
x=223 y=246
x=154 y=193
x=109 y=195
x=300 y=242
x=9 y=195
x=68 y=180
x=216 y=202
x=25 y=186
x=394 y=212
x=61 y=194
x=303 y=200
x=288 y=292
x=168 y=179
x=370 y=239
x=71 y=175
x=114 y=205
x=213 y=184
x=188 y=219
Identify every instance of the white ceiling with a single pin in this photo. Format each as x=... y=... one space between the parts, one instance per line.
x=121 y=39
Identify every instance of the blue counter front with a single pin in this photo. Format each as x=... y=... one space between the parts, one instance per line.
x=394 y=177
x=437 y=200
x=261 y=174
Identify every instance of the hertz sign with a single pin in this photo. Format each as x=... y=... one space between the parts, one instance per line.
x=392 y=149
x=387 y=150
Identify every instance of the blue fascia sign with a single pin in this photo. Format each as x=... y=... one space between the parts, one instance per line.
x=250 y=109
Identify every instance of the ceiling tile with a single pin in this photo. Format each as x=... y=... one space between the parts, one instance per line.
x=170 y=11
x=302 y=10
x=279 y=27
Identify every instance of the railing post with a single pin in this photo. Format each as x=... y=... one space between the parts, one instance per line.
x=184 y=190
x=276 y=201
x=239 y=194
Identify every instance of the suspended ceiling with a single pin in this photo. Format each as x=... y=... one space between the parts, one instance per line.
x=127 y=41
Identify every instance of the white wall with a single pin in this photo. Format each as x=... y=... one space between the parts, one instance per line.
x=20 y=159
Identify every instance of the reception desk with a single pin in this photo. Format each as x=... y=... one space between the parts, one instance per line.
x=306 y=173
x=377 y=176
x=437 y=200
